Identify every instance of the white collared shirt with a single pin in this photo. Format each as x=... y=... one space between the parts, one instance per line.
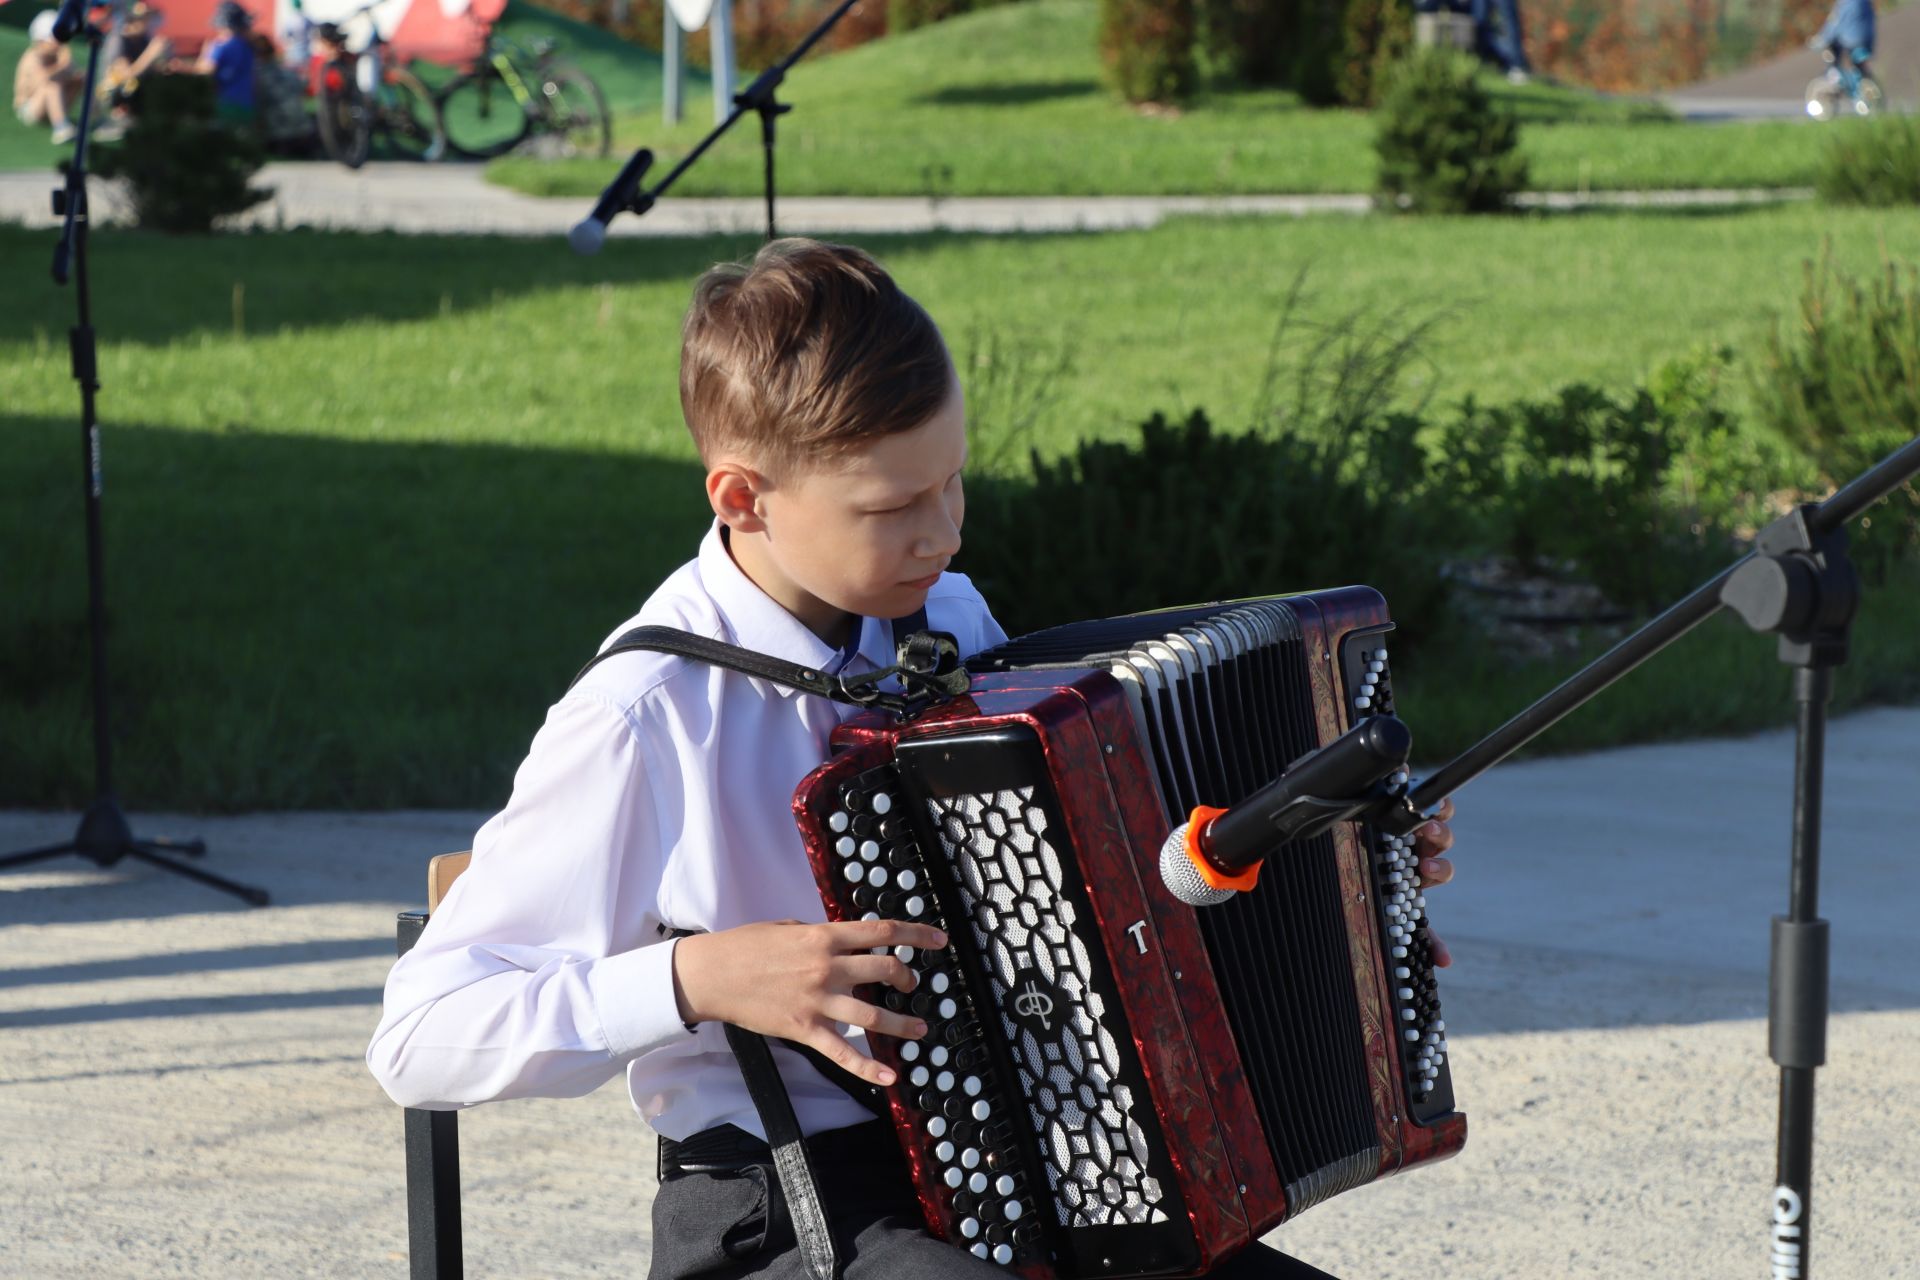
x=658 y=793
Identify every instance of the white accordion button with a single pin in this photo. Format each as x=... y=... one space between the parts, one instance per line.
x=948 y=1009
x=855 y=872
x=916 y=905
x=876 y=876
x=977 y=1183
x=1005 y=1185
x=921 y=1075
x=882 y=803
x=943 y=1152
x=1013 y=1210
x=839 y=821
x=1003 y=1254
x=869 y=850
x=937 y=1125
x=845 y=846
x=903 y=954
x=981 y=1110
x=910 y=1050
x=938 y=1055
x=944 y=1082
x=939 y=982
x=979 y=1250
x=969 y=1227
x=971 y=1086
x=970 y=1158
x=954 y=1178
x=906 y=879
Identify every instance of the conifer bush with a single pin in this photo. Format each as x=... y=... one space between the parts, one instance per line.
x=183 y=167
x=1445 y=145
x=1871 y=162
x=1840 y=379
x=1148 y=47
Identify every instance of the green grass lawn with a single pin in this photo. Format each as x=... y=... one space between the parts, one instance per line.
x=369 y=499
x=1008 y=101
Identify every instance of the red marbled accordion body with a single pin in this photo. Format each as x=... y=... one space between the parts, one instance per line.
x=1210 y=1172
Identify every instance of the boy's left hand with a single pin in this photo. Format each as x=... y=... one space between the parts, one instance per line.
x=1430 y=840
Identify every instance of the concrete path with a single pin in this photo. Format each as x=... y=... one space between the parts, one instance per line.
x=457 y=199
x=182 y=1095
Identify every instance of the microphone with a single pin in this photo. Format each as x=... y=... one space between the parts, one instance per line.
x=70 y=20
x=1217 y=853
x=590 y=232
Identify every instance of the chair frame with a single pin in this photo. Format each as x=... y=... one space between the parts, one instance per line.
x=432 y=1137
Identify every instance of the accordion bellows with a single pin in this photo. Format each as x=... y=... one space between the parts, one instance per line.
x=1115 y=1083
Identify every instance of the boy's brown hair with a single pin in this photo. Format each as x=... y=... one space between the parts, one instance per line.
x=802 y=355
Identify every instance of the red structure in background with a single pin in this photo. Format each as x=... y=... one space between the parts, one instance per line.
x=446 y=31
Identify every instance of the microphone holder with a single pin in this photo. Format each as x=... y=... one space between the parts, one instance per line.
x=104 y=836
x=1797 y=583
x=759 y=98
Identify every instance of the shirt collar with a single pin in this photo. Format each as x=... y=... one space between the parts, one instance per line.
x=761 y=623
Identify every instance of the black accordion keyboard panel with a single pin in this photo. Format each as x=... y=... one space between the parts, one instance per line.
x=1030 y=1097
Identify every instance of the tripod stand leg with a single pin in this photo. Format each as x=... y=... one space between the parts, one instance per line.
x=145 y=851
x=38 y=855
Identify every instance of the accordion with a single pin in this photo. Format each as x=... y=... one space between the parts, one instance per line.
x=1114 y=1083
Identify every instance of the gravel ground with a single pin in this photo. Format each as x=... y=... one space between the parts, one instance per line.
x=181 y=1088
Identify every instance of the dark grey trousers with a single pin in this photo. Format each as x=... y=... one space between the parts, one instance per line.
x=719 y=1226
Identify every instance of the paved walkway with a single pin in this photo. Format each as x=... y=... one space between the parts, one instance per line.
x=457 y=199
x=182 y=1094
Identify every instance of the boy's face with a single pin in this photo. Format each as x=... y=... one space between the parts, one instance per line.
x=867 y=536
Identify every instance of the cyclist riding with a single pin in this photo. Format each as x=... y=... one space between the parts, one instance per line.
x=1846 y=41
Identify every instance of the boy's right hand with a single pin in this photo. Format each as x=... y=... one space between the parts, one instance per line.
x=795 y=981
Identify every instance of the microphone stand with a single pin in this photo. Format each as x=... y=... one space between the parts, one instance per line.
x=1797 y=583
x=104 y=836
x=624 y=193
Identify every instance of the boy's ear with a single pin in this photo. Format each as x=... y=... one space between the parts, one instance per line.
x=734 y=491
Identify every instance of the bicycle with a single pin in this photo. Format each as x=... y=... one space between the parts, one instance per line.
x=512 y=94
x=1843 y=90
x=359 y=94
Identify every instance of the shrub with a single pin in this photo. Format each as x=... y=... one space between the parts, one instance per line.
x=905 y=15
x=1592 y=487
x=1444 y=145
x=1871 y=162
x=1377 y=35
x=1840 y=379
x=1148 y=48
x=1183 y=513
x=183 y=167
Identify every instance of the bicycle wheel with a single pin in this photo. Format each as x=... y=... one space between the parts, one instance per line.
x=1823 y=97
x=345 y=117
x=409 y=118
x=480 y=115
x=1867 y=100
x=578 y=111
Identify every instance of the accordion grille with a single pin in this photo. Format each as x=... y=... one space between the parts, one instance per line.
x=1023 y=919
x=1222 y=698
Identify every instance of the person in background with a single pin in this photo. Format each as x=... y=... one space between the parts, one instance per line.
x=228 y=58
x=1503 y=44
x=141 y=49
x=1848 y=34
x=46 y=81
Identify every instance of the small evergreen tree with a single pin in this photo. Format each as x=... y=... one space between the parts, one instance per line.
x=1445 y=146
x=1148 y=48
x=183 y=166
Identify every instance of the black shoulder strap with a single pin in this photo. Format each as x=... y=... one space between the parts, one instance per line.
x=806 y=1209
x=927 y=663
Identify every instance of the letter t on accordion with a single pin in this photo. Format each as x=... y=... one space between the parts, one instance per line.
x=1115 y=1083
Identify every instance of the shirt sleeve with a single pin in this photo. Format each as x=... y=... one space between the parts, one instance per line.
x=543 y=972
